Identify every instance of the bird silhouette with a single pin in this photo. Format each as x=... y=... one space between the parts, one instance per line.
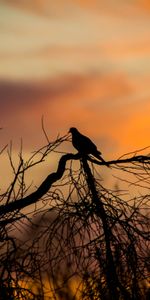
x=84 y=145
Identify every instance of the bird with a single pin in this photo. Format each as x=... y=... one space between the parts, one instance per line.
x=84 y=145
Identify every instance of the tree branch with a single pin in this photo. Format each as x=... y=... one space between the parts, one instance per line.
x=138 y=158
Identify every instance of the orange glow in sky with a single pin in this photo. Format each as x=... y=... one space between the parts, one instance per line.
x=78 y=63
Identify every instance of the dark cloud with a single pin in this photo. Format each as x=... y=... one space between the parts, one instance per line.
x=16 y=94
x=22 y=104
x=20 y=95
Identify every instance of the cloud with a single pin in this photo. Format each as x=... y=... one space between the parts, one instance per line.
x=84 y=101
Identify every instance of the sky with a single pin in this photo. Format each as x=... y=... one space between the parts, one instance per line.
x=76 y=63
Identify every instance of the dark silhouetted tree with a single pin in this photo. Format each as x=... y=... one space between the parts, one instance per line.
x=75 y=237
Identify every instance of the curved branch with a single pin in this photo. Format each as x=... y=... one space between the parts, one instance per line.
x=42 y=189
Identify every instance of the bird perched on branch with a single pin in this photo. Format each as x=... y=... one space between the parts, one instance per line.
x=84 y=145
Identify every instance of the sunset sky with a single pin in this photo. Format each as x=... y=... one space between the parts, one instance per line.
x=77 y=63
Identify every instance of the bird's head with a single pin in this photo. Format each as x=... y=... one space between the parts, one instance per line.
x=73 y=130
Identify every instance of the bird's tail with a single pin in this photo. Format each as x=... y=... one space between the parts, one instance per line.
x=105 y=162
x=98 y=156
